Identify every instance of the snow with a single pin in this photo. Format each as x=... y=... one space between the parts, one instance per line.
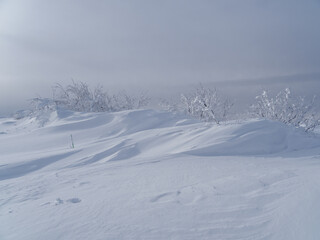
x=146 y=174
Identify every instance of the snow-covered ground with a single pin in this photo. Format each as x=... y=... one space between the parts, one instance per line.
x=153 y=175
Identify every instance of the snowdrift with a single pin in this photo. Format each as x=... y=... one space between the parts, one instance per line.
x=102 y=137
x=131 y=133
x=146 y=174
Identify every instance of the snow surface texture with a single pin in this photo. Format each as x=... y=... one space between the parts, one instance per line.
x=153 y=175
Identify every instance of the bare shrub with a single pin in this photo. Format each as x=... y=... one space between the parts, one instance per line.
x=286 y=108
x=79 y=97
x=203 y=103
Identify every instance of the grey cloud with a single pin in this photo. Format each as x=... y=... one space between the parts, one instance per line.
x=153 y=43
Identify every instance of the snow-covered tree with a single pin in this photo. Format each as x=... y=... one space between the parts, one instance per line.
x=170 y=105
x=79 y=97
x=43 y=104
x=207 y=104
x=39 y=106
x=286 y=108
x=123 y=101
x=76 y=96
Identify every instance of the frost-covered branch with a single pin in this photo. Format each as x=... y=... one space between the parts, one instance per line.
x=291 y=110
x=79 y=97
x=204 y=103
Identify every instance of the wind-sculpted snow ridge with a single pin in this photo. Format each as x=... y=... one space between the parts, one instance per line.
x=145 y=174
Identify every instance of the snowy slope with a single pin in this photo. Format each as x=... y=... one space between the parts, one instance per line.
x=153 y=175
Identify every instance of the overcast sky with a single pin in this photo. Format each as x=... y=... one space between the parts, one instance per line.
x=152 y=44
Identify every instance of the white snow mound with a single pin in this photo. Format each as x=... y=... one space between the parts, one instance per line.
x=146 y=174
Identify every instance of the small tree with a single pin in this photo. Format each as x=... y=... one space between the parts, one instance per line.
x=123 y=101
x=43 y=104
x=207 y=104
x=170 y=105
x=76 y=96
x=101 y=101
x=79 y=97
x=204 y=103
x=291 y=110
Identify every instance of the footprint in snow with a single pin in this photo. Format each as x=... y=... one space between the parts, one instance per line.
x=74 y=200
x=185 y=196
x=165 y=197
x=59 y=201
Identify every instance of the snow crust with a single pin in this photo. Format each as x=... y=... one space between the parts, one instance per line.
x=146 y=174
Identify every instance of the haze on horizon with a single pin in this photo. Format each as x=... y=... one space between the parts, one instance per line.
x=155 y=45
